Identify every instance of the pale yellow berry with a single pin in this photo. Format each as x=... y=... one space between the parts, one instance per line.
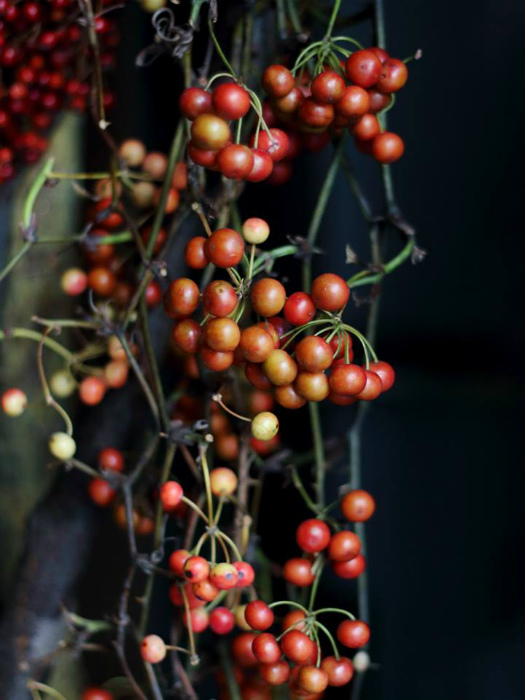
x=240 y=620
x=62 y=446
x=62 y=384
x=143 y=194
x=265 y=426
x=152 y=5
x=255 y=231
x=361 y=661
x=223 y=481
x=132 y=152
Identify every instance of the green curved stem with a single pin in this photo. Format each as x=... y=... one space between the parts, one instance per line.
x=366 y=277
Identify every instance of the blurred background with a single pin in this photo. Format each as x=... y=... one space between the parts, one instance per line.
x=443 y=452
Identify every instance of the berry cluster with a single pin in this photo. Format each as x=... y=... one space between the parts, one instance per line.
x=270 y=350
x=46 y=62
x=211 y=142
x=348 y=95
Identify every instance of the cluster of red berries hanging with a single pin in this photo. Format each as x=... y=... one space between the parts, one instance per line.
x=263 y=659
x=273 y=356
x=46 y=64
x=212 y=144
x=346 y=95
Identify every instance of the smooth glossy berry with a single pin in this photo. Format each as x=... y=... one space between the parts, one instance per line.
x=330 y=292
x=351 y=568
x=171 y=494
x=298 y=571
x=181 y=297
x=222 y=621
x=267 y=296
x=265 y=426
x=153 y=649
x=340 y=671
x=387 y=147
x=313 y=535
x=363 y=68
x=196 y=569
x=353 y=633
x=230 y=101
x=210 y=132
x=344 y=545
x=219 y=298
x=357 y=506
x=258 y=615
x=224 y=248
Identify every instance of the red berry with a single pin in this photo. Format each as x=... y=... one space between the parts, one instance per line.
x=386 y=374
x=373 y=387
x=181 y=297
x=110 y=459
x=101 y=492
x=224 y=248
x=210 y=132
x=235 y=161
x=177 y=560
x=313 y=535
x=267 y=296
x=328 y=87
x=394 y=74
x=340 y=671
x=258 y=615
x=171 y=494
x=353 y=633
x=222 y=621
x=357 y=506
x=195 y=101
x=299 y=308
x=275 y=144
x=92 y=390
x=347 y=380
x=196 y=569
x=245 y=574
x=266 y=649
x=297 y=646
x=278 y=81
x=230 y=101
x=219 y=298
x=387 y=147
x=298 y=572
x=194 y=255
x=344 y=545
x=363 y=68
x=330 y=292
x=349 y=569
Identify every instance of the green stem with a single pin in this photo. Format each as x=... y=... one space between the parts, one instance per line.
x=315 y=422
x=366 y=277
x=333 y=18
x=322 y=202
x=39 y=338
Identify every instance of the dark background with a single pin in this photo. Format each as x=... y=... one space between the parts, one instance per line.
x=442 y=453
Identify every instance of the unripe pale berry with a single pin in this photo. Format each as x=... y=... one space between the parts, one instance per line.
x=255 y=231
x=153 y=649
x=14 y=402
x=74 y=281
x=361 y=661
x=223 y=481
x=132 y=152
x=265 y=426
x=62 y=446
x=62 y=384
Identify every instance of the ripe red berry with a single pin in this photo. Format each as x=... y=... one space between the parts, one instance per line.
x=365 y=128
x=267 y=296
x=225 y=248
x=110 y=459
x=258 y=615
x=196 y=569
x=266 y=649
x=347 y=380
x=235 y=161
x=386 y=374
x=330 y=292
x=242 y=650
x=344 y=545
x=195 y=101
x=181 y=297
x=353 y=633
x=363 y=68
x=349 y=569
x=262 y=166
x=394 y=74
x=194 y=255
x=222 y=621
x=222 y=334
x=277 y=81
x=230 y=101
x=171 y=494
x=298 y=571
x=340 y=671
x=299 y=308
x=92 y=390
x=205 y=591
x=275 y=144
x=188 y=335
x=256 y=344
x=101 y=492
x=276 y=673
x=245 y=574
x=328 y=87
x=219 y=298
x=314 y=114
x=373 y=387
x=312 y=679
x=354 y=102
x=198 y=618
x=314 y=354
x=96 y=694
x=177 y=560
x=313 y=535
x=297 y=646
x=387 y=147
x=357 y=506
